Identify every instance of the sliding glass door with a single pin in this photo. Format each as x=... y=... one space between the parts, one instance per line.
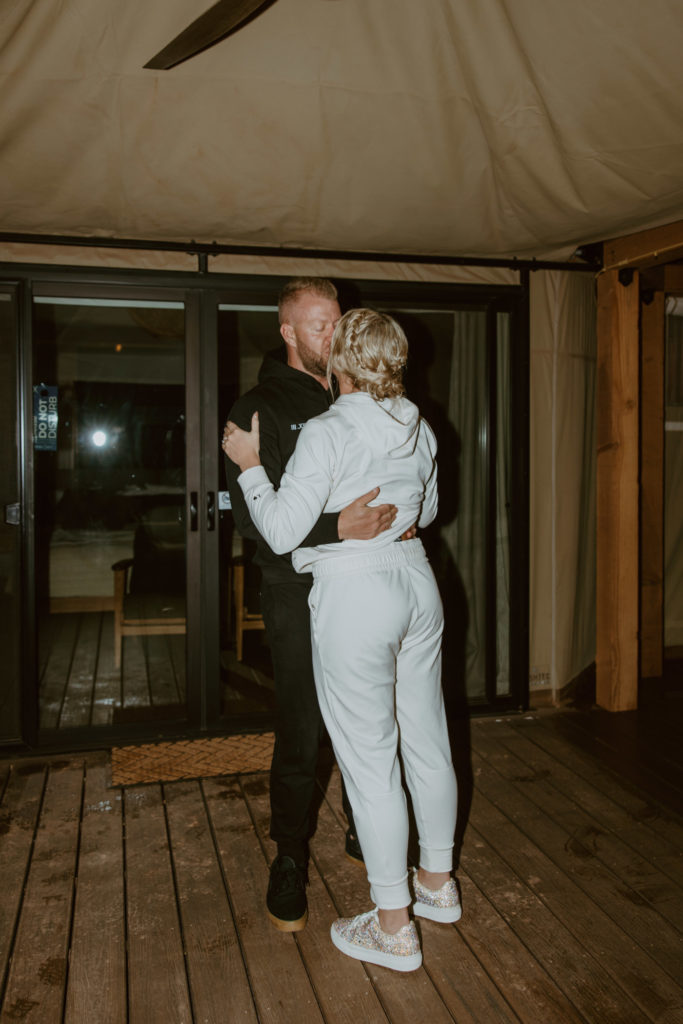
x=110 y=496
x=462 y=375
x=131 y=600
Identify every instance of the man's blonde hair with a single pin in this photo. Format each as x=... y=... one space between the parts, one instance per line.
x=319 y=286
x=371 y=349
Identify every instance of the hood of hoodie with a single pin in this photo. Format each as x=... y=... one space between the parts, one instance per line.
x=389 y=427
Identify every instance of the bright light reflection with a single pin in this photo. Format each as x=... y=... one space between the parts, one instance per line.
x=99 y=438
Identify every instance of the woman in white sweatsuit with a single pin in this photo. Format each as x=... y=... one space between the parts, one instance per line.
x=376 y=626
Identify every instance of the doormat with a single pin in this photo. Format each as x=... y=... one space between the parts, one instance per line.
x=191 y=759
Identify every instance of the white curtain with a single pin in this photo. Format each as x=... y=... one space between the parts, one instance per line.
x=563 y=541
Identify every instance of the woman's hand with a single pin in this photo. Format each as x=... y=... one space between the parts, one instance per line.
x=242 y=446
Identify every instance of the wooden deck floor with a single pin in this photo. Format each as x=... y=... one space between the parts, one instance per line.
x=146 y=904
x=81 y=687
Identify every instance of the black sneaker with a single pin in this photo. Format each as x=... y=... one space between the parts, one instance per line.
x=286 y=899
x=353 y=850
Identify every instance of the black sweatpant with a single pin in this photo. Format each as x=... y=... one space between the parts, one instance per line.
x=298 y=724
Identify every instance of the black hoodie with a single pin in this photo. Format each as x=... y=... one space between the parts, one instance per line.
x=285 y=399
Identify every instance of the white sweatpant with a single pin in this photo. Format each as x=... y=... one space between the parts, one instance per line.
x=376 y=625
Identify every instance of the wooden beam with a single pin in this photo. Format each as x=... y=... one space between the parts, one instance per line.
x=652 y=321
x=668 y=279
x=617 y=493
x=645 y=248
x=673 y=279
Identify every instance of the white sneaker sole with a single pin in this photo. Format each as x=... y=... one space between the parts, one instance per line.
x=446 y=915
x=376 y=956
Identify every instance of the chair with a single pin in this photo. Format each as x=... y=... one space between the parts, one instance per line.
x=149 y=588
x=142 y=614
x=244 y=619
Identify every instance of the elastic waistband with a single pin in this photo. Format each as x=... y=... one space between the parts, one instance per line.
x=407 y=552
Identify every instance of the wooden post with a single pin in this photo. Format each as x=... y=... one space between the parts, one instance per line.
x=617 y=491
x=652 y=322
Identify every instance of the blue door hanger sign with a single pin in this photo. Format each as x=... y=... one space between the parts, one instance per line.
x=45 y=417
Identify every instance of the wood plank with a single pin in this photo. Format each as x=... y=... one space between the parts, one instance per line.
x=48 y=630
x=135 y=682
x=598 y=828
x=627 y=757
x=57 y=668
x=460 y=982
x=162 y=680
x=533 y=992
x=341 y=984
x=62 y=605
x=107 y=689
x=581 y=978
x=648 y=744
x=19 y=811
x=218 y=977
x=270 y=956
x=96 y=989
x=647 y=248
x=653 y=317
x=577 y=749
x=637 y=948
x=177 y=650
x=76 y=706
x=157 y=979
x=37 y=975
x=616 y=656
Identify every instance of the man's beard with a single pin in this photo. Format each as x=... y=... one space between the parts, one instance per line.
x=311 y=361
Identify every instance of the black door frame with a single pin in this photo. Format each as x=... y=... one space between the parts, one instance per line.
x=201 y=294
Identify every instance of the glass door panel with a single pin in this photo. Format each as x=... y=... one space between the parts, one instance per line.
x=10 y=524
x=458 y=374
x=109 y=440
x=245 y=334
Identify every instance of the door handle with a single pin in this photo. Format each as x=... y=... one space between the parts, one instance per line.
x=194 y=512
x=13 y=514
x=210 y=510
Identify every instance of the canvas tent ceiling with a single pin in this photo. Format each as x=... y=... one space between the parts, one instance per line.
x=456 y=127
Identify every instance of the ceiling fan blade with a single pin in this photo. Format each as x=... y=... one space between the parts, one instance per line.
x=215 y=24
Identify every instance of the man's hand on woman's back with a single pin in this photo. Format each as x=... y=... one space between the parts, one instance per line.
x=362 y=521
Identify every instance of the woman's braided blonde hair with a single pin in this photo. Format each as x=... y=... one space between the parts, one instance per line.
x=371 y=349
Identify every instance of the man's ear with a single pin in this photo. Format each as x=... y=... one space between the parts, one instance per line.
x=287 y=332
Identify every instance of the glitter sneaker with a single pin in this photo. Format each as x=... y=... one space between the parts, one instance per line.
x=436 y=904
x=362 y=938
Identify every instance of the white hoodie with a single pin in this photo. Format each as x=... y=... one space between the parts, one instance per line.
x=358 y=444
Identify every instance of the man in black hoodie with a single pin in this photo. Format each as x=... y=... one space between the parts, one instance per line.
x=292 y=389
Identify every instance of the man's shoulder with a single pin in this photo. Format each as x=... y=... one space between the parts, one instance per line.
x=288 y=400
x=266 y=395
